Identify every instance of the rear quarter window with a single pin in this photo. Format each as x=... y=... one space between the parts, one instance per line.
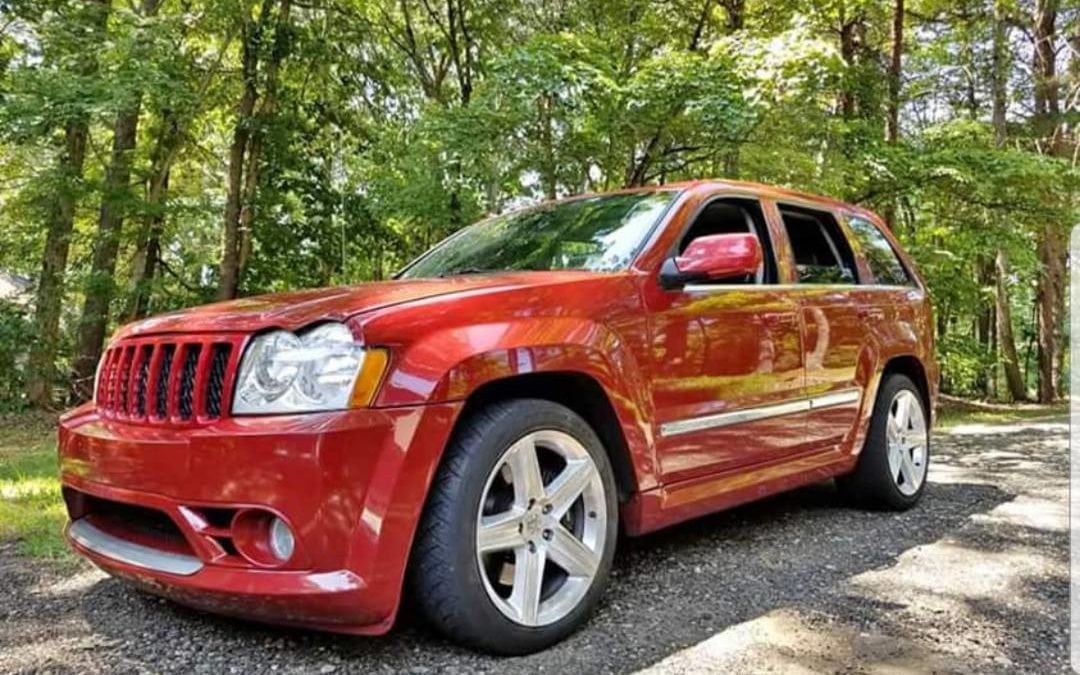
x=884 y=263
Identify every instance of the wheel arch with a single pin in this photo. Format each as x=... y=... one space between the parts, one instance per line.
x=910 y=366
x=577 y=391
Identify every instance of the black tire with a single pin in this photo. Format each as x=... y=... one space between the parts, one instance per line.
x=871 y=485
x=445 y=576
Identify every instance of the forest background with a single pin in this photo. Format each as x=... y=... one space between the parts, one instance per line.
x=156 y=154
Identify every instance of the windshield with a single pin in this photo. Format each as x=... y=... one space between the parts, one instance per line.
x=599 y=234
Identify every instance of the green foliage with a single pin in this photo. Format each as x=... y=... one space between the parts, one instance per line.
x=15 y=335
x=388 y=125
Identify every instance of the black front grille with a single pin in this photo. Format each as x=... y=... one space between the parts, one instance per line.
x=187 y=381
x=145 y=354
x=161 y=396
x=217 y=379
x=125 y=381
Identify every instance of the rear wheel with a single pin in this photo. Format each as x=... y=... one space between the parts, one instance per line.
x=519 y=532
x=891 y=472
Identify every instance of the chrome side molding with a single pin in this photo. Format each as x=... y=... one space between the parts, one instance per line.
x=727 y=419
x=834 y=398
x=85 y=534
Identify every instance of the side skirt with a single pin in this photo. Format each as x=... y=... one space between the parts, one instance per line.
x=670 y=504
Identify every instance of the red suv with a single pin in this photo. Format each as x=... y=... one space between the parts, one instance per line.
x=479 y=429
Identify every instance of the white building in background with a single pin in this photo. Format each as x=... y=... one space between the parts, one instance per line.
x=15 y=288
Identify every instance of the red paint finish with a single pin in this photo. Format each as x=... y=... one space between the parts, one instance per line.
x=721 y=256
x=717 y=352
x=352 y=484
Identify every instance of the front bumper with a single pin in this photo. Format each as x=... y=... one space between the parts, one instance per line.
x=157 y=506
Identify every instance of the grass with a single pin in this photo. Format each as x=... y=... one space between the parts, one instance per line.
x=31 y=510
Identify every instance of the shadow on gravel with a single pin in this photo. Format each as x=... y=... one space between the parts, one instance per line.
x=999 y=590
x=1037 y=454
x=669 y=590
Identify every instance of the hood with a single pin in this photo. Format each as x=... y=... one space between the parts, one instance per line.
x=296 y=309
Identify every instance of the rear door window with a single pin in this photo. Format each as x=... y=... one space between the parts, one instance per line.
x=822 y=254
x=884 y=264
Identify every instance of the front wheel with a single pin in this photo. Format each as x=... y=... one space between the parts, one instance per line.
x=518 y=536
x=891 y=472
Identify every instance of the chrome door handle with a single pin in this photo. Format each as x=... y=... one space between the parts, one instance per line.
x=779 y=319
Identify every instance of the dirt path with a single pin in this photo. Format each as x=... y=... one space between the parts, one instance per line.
x=974 y=580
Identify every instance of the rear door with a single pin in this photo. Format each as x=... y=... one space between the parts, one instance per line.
x=833 y=322
x=889 y=295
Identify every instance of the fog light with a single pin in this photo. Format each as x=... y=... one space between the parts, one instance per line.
x=282 y=542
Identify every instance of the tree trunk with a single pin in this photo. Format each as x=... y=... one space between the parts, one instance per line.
x=548 y=171
x=736 y=20
x=848 y=47
x=256 y=142
x=145 y=268
x=1050 y=292
x=892 y=113
x=148 y=250
x=1047 y=107
x=229 y=274
x=971 y=95
x=1000 y=73
x=101 y=285
x=50 y=290
x=245 y=153
x=59 y=225
x=892 y=120
x=1006 y=341
x=984 y=322
x=735 y=11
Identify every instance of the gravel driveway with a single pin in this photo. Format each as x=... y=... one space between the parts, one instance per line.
x=973 y=580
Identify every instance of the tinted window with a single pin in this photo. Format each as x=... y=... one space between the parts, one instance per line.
x=733 y=216
x=822 y=255
x=600 y=233
x=884 y=263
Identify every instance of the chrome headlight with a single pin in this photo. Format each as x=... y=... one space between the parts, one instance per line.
x=318 y=369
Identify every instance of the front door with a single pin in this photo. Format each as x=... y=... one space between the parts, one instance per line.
x=727 y=359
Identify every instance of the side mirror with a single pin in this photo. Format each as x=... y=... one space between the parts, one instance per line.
x=712 y=258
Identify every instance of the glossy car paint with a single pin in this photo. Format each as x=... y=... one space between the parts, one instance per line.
x=353 y=484
x=721 y=256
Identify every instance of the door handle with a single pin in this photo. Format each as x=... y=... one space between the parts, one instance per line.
x=779 y=319
x=871 y=313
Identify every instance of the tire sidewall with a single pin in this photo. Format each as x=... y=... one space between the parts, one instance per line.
x=522 y=417
x=879 y=444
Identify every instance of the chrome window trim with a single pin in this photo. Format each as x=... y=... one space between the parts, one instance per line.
x=757 y=413
x=712 y=288
x=85 y=534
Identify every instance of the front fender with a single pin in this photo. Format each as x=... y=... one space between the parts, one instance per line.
x=451 y=364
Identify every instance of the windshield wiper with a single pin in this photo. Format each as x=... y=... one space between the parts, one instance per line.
x=466 y=270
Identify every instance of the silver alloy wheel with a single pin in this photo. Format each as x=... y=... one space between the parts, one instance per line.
x=906 y=438
x=541 y=528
